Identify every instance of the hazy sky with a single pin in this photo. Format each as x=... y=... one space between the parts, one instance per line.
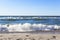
x=29 y=7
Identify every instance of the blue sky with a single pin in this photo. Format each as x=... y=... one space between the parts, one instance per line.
x=29 y=7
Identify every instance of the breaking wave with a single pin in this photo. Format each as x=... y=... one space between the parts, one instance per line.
x=27 y=27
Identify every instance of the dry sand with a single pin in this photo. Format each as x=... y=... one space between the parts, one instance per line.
x=29 y=36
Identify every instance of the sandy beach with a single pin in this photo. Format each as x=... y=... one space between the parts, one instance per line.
x=29 y=36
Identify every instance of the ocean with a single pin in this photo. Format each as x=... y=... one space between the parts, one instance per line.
x=37 y=23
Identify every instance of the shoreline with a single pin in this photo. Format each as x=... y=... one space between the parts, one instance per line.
x=35 y=32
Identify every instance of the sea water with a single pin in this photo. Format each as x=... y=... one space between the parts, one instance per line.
x=29 y=24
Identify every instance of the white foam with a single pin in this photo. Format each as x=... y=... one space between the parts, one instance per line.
x=29 y=27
